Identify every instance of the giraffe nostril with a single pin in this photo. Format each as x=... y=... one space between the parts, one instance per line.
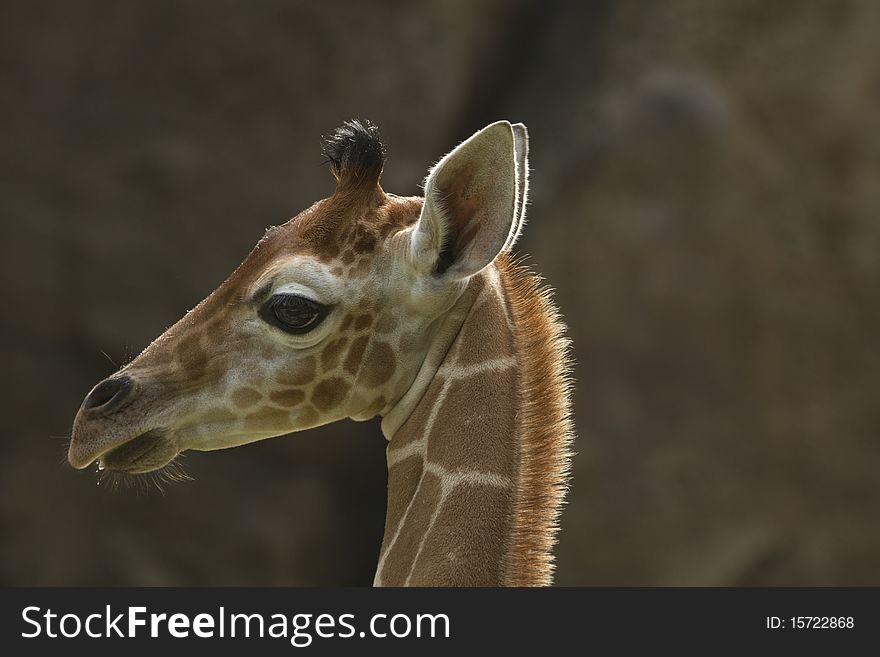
x=109 y=394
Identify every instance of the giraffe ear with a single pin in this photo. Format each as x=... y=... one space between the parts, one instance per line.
x=521 y=153
x=474 y=199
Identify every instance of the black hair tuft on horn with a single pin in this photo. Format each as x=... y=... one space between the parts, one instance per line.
x=355 y=153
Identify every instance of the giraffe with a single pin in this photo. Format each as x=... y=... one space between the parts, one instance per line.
x=371 y=304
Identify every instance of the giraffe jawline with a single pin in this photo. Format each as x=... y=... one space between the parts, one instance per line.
x=145 y=453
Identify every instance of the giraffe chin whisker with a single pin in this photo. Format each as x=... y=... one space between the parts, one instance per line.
x=144 y=482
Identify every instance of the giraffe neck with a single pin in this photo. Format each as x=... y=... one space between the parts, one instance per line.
x=470 y=502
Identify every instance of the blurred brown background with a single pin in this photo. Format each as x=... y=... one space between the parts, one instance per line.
x=705 y=199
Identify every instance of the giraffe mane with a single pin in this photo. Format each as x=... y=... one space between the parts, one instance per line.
x=545 y=424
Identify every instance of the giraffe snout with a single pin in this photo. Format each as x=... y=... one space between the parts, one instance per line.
x=109 y=395
x=112 y=428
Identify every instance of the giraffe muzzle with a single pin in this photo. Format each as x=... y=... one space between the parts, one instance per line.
x=113 y=430
x=141 y=453
x=147 y=452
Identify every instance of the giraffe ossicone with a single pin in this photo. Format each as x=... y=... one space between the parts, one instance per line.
x=368 y=304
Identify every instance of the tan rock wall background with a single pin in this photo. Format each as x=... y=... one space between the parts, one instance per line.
x=705 y=199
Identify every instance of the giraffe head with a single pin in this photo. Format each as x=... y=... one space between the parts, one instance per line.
x=330 y=316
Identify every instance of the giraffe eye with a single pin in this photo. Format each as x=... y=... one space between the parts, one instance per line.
x=292 y=313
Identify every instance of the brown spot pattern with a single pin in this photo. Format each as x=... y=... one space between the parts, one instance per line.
x=191 y=356
x=268 y=418
x=215 y=331
x=288 y=398
x=355 y=355
x=329 y=393
x=380 y=364
x=365 y=244
x=245 y=397
x=331 y=353
x=399 y=214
